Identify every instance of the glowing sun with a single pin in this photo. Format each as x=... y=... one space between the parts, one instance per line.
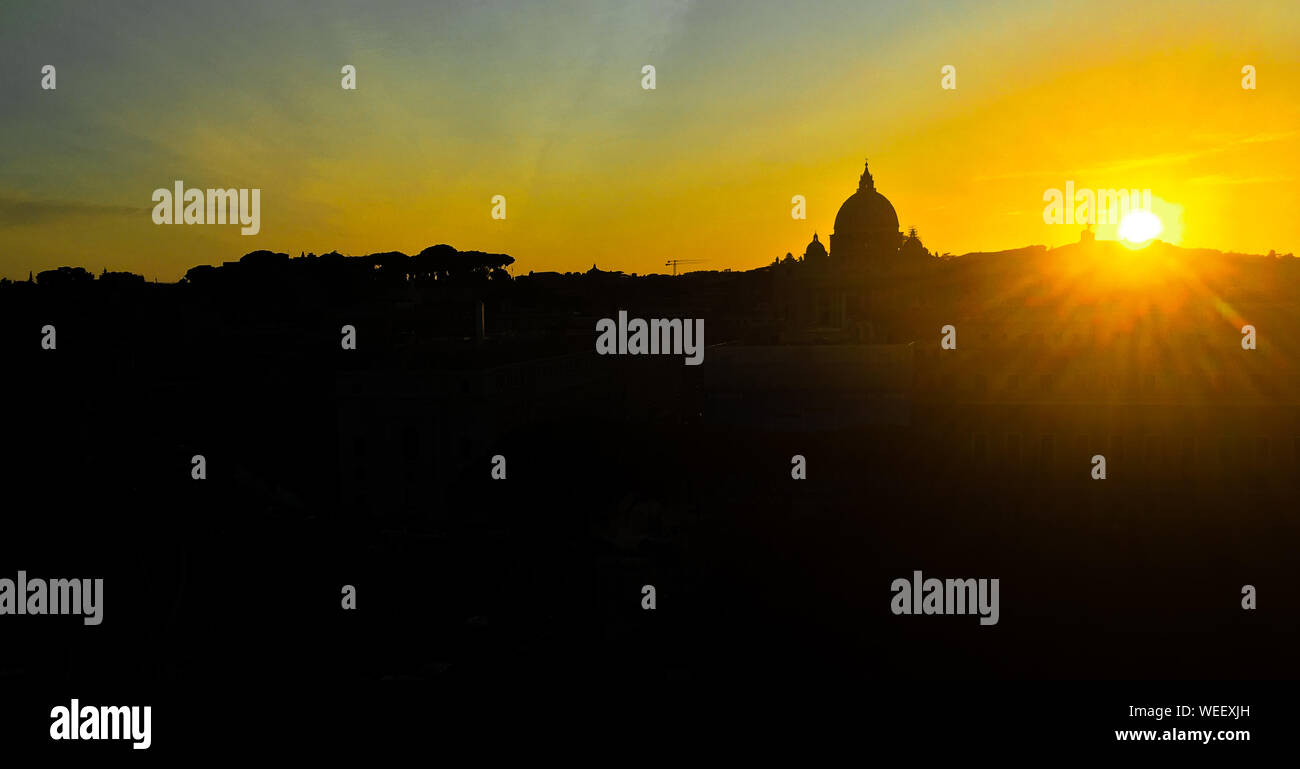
x=1140 y=227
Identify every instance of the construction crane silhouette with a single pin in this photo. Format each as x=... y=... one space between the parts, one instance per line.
x=674 y=262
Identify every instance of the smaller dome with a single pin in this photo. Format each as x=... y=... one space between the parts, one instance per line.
x=815 y=250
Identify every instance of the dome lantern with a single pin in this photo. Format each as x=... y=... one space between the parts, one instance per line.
x=865 y=182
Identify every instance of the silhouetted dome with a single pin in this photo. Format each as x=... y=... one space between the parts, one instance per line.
x=866 y=228
x=815 y=251
x=866 y=211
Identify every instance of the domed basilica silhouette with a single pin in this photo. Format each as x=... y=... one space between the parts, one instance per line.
x=866 y=237
x=851 y=291
x=866 y=226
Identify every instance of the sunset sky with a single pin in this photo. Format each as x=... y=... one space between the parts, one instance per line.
x=542 y=102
